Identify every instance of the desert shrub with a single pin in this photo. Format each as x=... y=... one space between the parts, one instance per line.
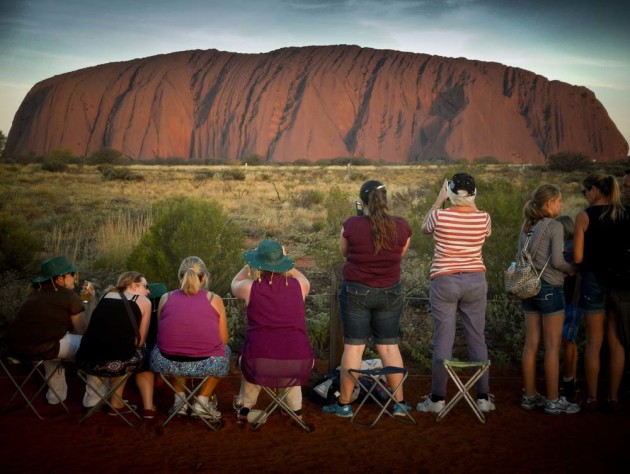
x=569 y=161
x=108 y=156
x=111 y=173
x=308 y=198
x=203 y=175
x=338 y=209
x=503 y=200
x=18 y=243
x=54 y=166
x=505 y=330
x=182 y=227
x=253 y=159
x=64 y=155
x=13 y=292
x=233 y=174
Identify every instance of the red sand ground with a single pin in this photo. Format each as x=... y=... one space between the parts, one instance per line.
x=512 y=441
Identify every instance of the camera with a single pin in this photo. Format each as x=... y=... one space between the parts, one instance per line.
x=359 y=206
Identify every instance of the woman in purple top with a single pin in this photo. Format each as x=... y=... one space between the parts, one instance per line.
x=276 y=351
x=371 y=296
x=192 y=338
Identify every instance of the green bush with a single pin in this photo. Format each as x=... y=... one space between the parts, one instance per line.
x=183 y=227
x=110 y=173
x=308 y=198
x=233 y=174
x=108 y=156
x=18 y=243
x=54 y=166
x=567 y=161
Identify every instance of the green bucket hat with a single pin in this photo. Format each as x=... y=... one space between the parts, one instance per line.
x=269 y=256
x=53 y=267
x=157 y=290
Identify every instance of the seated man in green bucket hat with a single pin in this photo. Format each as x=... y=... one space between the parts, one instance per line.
x=49 y=325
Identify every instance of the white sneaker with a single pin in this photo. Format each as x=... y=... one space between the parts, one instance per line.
x=485 y=405
x=253 y=415
x=429 y=406
x=179 y=407
x=205 y=411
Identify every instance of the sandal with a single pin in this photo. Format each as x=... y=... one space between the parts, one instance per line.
x=149 y=414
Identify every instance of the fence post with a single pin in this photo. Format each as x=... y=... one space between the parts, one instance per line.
x=336 y=333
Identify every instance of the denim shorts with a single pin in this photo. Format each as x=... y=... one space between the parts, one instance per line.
x=572 y=319
x=549 y=300
x=592 y=294
x=364 y=308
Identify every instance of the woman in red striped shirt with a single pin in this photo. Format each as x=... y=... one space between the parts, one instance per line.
x=458 y=284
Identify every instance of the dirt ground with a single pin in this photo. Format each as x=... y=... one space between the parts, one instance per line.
x=512 y=440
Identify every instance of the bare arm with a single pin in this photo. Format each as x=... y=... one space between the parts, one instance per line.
x=302 y=280
x=217 y=303
x=581 y=224
x=242 y=284
x=404 y=250
x=441 y=199
x=343 y=244
x=79 y=323
x=145 y=319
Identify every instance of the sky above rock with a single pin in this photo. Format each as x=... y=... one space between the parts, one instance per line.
x=579 y=42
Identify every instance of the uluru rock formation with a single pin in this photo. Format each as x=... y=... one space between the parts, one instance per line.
x=313 y=103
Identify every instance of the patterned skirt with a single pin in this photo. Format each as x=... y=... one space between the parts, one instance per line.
x=215 y=366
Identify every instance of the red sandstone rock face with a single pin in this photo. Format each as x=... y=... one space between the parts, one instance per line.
x=313 y=103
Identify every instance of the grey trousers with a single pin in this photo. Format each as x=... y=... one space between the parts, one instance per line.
x=463 y=293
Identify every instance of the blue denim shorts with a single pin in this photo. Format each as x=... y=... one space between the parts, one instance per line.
x=365 y=309
x=549 y=300
x=592 y=294
x=572 y=319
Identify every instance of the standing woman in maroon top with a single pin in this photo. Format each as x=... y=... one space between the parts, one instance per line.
x=371 y=295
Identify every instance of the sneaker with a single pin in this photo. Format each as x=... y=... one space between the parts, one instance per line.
x=344 y=411
x=429 y=406
x=205 y=411
x=529 y=402
x=561 y=406
x=179 y=407
x=486 y=405
x=401 y=408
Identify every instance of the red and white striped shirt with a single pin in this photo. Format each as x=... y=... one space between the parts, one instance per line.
x=458 y=238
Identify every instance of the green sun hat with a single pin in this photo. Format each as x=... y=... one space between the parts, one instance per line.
x=269 y=256
x=53 y=267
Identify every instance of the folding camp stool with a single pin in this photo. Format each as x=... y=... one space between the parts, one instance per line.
x=278 y=400
x=37 y=371
x=191 y=398
x=374 y=376
x=464 y=388
x=133 y=420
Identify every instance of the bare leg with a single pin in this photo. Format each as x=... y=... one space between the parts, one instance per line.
x=390 y=356
x=145 y=382
x=528 y=361
x=617 y=356
x=570 y=360
x=552 y=334
x=118 y=395
x=208 y=387
x=594 y=339
x=351 y=359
